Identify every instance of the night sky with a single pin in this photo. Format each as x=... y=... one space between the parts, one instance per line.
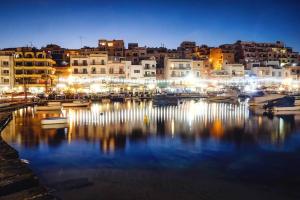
x=151 y=23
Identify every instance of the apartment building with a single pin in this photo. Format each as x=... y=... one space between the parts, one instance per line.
x=6 y=72
x=87 y=66
x=234 y=70
x=112 y=47
x=34 y=70
x=177 y=68
x=218 y=58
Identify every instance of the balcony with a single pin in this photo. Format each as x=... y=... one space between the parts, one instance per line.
x=149 y=75
x=181 y=68
x=97 y=63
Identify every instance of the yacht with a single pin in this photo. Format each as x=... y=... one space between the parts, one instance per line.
x=286 y=103
x=261 y=98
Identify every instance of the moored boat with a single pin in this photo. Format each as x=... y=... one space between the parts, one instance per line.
x=77 y=104
x=54 y=120
x=54 y=126
x=261 y=98
x=286 y=103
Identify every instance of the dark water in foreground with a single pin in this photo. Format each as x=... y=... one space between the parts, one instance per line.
x=134 y=151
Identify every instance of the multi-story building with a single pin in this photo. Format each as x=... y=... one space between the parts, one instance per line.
x=6 y=73
x=88 y=66
x=34 y=70
x=218 y=58
x=246 y=52
x=57 y=54
x=234 y=70
x=136 y=54
x=177 y=68
x=113 y=47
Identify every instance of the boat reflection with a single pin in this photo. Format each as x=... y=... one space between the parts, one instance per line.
x=113 y=126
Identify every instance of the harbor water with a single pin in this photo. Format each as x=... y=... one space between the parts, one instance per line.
x=132 y=150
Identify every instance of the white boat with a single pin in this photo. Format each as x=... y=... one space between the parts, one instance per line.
x=54 y=120
x=77 y=104
x=44 y=108
x=261 y=98
x=54 y=126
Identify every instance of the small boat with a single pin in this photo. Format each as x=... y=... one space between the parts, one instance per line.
x=260 y=98
x=44 y=108
x=54 y=126
x=77 y=104
x=54 y=120
x=227 y=97
x=165 y=100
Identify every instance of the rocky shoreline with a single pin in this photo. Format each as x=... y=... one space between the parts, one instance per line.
x=17 y=181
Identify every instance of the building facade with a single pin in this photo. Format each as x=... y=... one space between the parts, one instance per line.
x=34 y=70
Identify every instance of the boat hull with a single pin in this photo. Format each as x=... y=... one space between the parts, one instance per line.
x=55 y=120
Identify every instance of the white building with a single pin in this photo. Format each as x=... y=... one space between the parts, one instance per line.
x=86 y=66
x=234 y=70
x=177 y=68
x=146 y=70
x=6 y=73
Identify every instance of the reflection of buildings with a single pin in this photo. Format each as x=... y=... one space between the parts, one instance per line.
x=128 y=123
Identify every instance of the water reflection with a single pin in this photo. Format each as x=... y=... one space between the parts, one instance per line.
x=112 y=125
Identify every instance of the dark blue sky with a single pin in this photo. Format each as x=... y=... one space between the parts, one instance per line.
x=150 y=23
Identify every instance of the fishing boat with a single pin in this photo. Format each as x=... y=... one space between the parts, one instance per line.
x=165 y=100
x=261 y=98
x=54 y=120
x=77 y=104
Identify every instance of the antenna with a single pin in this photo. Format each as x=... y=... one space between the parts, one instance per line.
x=80 y=37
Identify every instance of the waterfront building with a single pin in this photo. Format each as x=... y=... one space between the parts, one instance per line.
x=34 y=70
x=234 y=70
x=6 y=73
x=57 y=54
x=177 y=68
x=112 y=47
x=136 y=54
x=218 y=58
x=87 y=66
x=247 y=52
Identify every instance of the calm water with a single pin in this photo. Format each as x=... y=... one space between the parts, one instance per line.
x=197 y=150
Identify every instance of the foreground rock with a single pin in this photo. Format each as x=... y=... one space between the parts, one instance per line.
x=17 y=181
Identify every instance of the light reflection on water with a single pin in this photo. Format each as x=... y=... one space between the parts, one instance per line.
x=138 y=135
